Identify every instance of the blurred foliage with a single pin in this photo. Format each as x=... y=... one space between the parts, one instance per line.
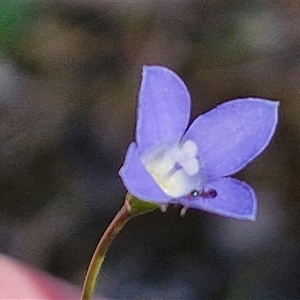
x=16 y=18
x=12 y=17
x=69 y=77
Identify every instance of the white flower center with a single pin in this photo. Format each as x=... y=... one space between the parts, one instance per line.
x=175 y=169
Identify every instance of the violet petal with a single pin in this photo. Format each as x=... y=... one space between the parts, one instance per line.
x=234 y=199
x=137 y=179
x=233 y=134
x=163 y=108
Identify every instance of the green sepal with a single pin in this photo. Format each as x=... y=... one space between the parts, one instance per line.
x=139 y=207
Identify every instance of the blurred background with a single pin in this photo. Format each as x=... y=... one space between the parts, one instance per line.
x=69 y=77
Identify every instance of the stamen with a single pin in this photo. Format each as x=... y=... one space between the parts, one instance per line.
x=183 y=211
x=163 y=208
x=186 y=157
x=191 y=166
x=175 y=168
x=162 y=166
x=190 y=148
x=178 y=184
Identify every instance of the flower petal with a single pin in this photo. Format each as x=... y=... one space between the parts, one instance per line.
x=233 y=134
x=234 y=199
x=163 y=108
x=137 y=179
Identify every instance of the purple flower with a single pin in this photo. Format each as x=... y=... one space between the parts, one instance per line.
x=170 y=163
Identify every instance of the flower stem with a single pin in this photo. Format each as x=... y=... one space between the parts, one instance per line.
x=122 y=217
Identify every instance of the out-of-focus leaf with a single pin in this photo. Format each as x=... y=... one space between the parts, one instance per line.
x=16 y=17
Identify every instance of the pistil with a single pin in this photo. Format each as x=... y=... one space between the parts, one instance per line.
x=175 y=169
